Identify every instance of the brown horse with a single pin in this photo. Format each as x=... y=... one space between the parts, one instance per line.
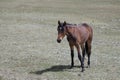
x=78 y=36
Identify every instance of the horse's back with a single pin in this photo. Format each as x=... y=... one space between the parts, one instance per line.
x=82 y=32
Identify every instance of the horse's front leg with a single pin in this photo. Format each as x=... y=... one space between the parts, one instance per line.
x=80 y=57
x=72 y=54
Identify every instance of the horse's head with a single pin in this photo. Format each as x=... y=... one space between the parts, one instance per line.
x=61 y=31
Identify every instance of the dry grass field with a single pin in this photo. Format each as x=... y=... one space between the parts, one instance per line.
x=28 y=33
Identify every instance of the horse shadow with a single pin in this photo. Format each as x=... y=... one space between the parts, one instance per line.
x=55 y=68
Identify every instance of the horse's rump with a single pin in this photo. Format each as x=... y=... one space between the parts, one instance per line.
x=85 y=25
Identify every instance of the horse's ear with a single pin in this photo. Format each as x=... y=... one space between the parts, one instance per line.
x=58 y=22
x=64 y=23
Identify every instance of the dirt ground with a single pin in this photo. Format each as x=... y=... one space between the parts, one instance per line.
x=28 y=33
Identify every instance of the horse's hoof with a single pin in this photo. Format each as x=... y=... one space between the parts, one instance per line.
x=71 y=67
x=88 y=66
x=82 y=70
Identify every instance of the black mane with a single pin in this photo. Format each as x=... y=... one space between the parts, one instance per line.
x=70 y=24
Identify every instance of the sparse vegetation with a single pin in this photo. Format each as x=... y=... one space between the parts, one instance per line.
x=28 y=33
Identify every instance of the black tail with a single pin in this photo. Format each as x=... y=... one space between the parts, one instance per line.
x=86 y=48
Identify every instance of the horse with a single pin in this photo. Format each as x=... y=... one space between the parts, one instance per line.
x=79 y=36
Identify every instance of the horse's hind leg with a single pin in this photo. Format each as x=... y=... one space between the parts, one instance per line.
x=88 y=50
x=83 y=53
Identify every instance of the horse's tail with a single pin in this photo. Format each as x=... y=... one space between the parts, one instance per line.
x=86 y=47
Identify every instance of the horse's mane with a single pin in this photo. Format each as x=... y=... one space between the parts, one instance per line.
x=71 y=24
x=77 y=25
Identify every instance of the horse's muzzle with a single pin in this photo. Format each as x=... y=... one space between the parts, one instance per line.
x=58 y=40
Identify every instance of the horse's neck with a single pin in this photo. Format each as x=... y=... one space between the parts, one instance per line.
x=71 y=34
x=70 y=30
